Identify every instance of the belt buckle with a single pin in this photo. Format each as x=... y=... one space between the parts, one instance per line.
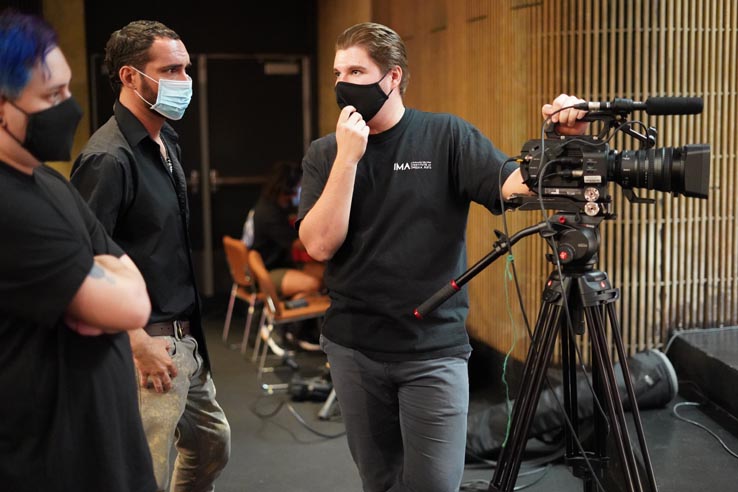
x=178 y=328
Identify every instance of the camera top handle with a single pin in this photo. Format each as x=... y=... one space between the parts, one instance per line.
x=612 y=119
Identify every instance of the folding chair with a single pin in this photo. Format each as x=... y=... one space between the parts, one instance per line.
x=243 y=287
x=277 y=314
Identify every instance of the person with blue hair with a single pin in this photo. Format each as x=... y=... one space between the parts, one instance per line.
x=68 y=294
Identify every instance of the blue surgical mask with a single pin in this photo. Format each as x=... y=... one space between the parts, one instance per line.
x=172 y=98
x=296 y=197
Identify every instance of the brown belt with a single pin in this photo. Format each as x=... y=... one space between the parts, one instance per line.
x=176 y=328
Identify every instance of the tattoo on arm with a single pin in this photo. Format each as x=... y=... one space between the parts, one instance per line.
x=98 y=272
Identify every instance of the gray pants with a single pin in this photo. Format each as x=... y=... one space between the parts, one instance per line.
x=405 y=421
x=188 y=417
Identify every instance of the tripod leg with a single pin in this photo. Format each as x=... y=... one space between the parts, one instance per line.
x=595 y=322
x=539 y=356
x=618 y=341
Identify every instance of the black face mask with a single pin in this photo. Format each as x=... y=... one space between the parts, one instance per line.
x=50 y=132
x=368 y=99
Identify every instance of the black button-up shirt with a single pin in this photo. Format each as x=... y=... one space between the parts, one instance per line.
x=143 y=206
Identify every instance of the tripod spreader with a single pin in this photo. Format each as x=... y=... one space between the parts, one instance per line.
x=501 y=246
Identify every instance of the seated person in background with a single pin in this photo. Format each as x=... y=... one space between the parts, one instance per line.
x=275 y=237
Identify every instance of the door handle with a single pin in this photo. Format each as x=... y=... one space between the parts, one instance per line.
x=214 y=181
x=217 y=181
x=193 y=182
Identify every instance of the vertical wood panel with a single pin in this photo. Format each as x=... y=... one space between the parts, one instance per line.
x=334 y=16
x=68 y=18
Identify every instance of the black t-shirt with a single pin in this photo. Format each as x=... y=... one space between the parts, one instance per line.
x=406 y=233
x=273 y=234
x=71 y=418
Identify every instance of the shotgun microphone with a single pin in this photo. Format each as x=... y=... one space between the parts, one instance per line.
x=652 y=105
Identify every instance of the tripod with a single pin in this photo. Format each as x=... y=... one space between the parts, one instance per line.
x=583 y=295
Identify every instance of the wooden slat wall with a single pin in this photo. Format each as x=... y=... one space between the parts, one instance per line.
x=334 y=16
x=495 y=63
x=68 y=18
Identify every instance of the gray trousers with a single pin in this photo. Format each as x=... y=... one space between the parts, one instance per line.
x=405 y=421
x=188 y=417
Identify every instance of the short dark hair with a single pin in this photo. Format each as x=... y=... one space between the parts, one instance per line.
x=285 y=177
x=130 y=46
x=25 y=40
x=384 y=46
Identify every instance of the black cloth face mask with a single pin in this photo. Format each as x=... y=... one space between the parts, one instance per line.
x=368 y=99
x=50 y=132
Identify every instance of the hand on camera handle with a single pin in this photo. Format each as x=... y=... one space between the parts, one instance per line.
x=568 y=121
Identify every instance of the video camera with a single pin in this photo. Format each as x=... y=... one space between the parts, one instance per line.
x=572 y=172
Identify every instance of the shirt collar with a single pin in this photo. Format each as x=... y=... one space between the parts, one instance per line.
x=134 y=130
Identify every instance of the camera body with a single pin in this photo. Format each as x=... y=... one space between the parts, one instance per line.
x=573 y=168
x=579 y=169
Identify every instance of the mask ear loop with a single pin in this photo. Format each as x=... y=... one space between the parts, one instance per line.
x=383 y=76
x=4 y=124
x=135 y=91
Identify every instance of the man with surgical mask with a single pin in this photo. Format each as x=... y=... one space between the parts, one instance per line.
x=67 y=294
x=131 y=175
x=385 y=201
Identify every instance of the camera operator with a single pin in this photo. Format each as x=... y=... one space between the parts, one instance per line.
x=385 y=202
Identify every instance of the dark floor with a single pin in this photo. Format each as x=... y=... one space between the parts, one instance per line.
x=275 y=452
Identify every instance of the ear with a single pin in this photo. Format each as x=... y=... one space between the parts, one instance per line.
x=396 y=76
x=127 y=77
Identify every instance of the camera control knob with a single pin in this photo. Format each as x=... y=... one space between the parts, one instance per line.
x=591 y=208
x=591 y=194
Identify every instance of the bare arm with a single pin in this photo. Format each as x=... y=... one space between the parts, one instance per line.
x=112 y=297
x=514 y=185
x=324 y=228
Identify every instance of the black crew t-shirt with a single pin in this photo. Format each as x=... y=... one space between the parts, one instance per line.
x=71 y=421
x=273 y=234
x=406 y=233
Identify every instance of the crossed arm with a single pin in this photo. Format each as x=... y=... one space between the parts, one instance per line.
x=112 y=298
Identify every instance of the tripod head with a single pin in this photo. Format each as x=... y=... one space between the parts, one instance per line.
x=574 y=240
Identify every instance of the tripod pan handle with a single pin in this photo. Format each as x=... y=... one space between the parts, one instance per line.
x=437 y=299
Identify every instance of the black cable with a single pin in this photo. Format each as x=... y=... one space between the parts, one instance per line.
x=268 y=415
x=300 y=419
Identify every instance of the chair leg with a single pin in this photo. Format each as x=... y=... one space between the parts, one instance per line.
x=330 y=406
x=257 y=343
x=268 y=387
x=247 y=325
x=229 y=313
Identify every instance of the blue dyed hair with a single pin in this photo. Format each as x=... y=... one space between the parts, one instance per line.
x=24 y=41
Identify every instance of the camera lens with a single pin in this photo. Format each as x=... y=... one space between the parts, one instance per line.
x=679 y=170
